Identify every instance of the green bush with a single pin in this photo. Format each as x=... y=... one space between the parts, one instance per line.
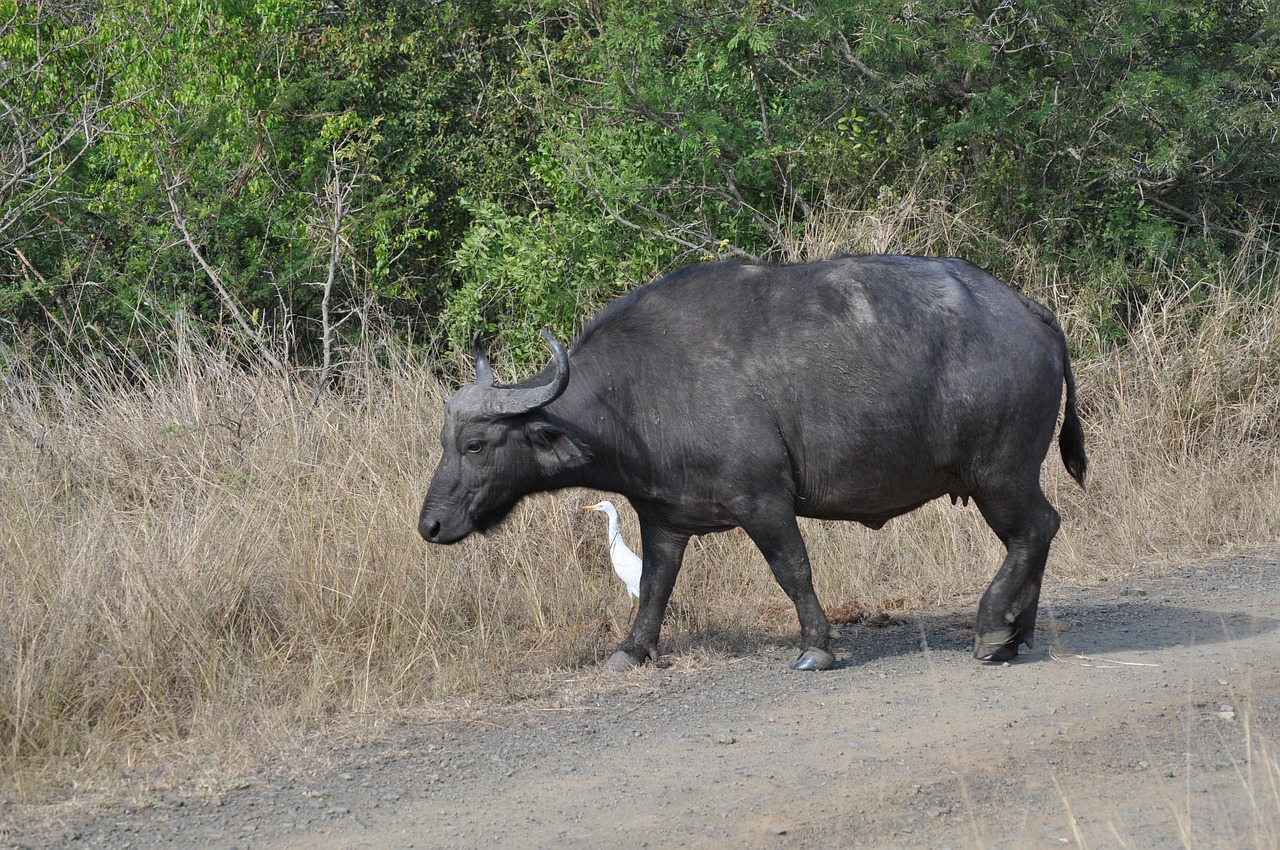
x=290 y=169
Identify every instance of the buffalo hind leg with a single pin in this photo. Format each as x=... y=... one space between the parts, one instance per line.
x=663 y=552
x=1007 y=612
x=778 y=537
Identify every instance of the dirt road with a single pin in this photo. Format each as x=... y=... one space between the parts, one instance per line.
x=1148 y=715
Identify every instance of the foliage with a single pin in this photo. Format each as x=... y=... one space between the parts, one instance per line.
x=249 y=161
x=543 y=269
x=290 y=168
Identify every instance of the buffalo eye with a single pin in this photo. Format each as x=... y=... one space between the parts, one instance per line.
x=474 y=447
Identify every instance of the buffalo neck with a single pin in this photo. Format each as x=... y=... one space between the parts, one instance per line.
x=599 y=411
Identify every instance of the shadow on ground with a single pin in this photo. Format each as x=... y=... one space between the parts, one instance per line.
x=1089 y=629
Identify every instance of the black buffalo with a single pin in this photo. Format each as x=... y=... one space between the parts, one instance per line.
x=732 y=395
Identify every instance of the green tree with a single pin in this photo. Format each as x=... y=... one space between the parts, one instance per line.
x=286 y=169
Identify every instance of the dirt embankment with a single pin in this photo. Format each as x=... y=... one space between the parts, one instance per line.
x=1147 y=716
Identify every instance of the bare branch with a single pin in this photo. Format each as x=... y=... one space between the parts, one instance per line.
x=337 y=193
x=171 y=185
x=845 y=50
x=680 y=233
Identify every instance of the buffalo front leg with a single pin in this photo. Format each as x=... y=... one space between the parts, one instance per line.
x=663 y=552
x=1007 y=612
x=778 y=537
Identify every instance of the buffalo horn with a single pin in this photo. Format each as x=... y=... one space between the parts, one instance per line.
x=513 y=401
x=484 y=374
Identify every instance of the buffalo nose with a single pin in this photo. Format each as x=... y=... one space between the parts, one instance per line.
x=430 y=530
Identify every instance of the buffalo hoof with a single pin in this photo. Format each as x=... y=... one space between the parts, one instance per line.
x=814 y=659
x=620 y=662
x=995 y=654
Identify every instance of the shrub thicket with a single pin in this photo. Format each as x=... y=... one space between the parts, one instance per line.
x=291 y=168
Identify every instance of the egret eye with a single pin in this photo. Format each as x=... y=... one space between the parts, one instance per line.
x=474 y=447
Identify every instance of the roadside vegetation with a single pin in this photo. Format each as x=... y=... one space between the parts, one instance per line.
x=242 y=247
x=208 y=551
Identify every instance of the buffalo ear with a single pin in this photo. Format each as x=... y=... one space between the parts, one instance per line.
x=555 y=450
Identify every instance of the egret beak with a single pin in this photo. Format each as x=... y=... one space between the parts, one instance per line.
x=594 y=507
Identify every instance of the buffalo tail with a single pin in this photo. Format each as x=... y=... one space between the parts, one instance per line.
x=1071 y=438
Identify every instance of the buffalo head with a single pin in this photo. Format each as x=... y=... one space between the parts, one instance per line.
x=498 y=444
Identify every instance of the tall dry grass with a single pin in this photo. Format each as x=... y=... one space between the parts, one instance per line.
x=202 y=555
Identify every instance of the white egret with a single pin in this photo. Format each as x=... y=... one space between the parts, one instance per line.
x=626 y=564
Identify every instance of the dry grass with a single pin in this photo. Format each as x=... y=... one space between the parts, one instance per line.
x=203 y=556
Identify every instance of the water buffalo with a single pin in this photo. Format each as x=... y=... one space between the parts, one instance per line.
x=727 y=395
